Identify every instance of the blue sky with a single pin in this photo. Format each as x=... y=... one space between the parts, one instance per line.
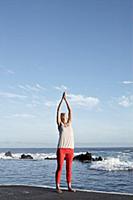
x=83 y=47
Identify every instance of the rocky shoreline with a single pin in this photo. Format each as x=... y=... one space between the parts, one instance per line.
x=86 y=157
x=21 y=192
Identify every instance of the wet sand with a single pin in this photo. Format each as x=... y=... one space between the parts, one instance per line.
x=20 y=192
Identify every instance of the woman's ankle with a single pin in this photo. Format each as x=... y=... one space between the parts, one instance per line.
x=69 y=185
x=57 y=186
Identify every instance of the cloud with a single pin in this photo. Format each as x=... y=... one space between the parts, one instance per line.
x=12 y=95
x=40 y=87
x=24 y=115
x=10 y=71
x=61 y=88
x=35 y=88
x=127 y=82
x=80 y=100
x=20 y=115
x=126 y=101
x=6 y=70
x=50 y=103
x=33 y=103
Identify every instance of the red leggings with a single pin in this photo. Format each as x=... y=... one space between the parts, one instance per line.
x=64 y=153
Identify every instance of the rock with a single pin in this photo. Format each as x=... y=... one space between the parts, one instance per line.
x=23 y=156
x=47 y=158
x=8 y=153
x=87 y=157
x=84 y=157
x=98 y=159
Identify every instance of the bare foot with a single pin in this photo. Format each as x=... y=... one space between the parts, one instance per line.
x=71 y=190
x=59 y=190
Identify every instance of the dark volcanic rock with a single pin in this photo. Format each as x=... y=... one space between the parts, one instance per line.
x=98 y=159
x=47 y=158
x=8 y=153
x=84 y=157
x=23 y=156
x=87 y=157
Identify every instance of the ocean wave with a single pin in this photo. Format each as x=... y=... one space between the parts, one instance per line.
x=36 y=156
x=112 y=164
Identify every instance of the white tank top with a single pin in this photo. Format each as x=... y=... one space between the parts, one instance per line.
x=66 y=137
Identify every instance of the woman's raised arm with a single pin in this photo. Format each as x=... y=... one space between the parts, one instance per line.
x=69 y=109
x=58 y=111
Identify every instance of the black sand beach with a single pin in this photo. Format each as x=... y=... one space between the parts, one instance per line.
x=40 y=193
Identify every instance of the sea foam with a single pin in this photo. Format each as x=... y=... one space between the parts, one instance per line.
x=112 y=164
x=36 y=156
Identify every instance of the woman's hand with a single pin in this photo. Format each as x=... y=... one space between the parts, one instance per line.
x=64 y=95
x=68 y=107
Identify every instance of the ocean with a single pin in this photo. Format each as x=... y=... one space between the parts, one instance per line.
x=113 y=174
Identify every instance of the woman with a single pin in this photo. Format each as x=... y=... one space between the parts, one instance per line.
x=65 y=148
